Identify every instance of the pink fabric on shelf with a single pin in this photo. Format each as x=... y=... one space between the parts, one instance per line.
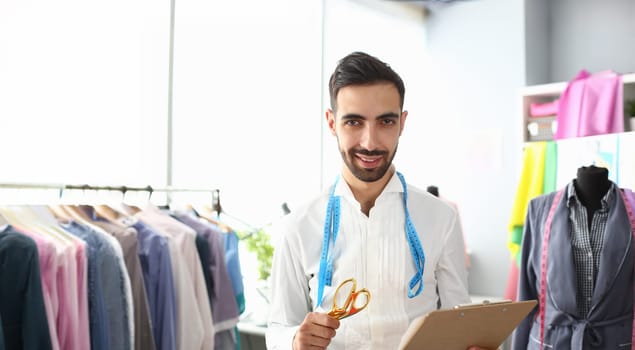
x=543 y=109
x=591 y=105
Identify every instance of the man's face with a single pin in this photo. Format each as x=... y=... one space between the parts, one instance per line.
x=367 y=124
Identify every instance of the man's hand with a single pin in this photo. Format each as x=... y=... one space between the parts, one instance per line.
x=315 y=332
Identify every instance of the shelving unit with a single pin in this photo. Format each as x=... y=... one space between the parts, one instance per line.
x=549 y=92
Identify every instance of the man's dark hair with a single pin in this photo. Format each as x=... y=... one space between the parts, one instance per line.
x=359 y=68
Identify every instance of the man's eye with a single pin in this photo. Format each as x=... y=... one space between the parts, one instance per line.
x=352 y=122
x=388 y=121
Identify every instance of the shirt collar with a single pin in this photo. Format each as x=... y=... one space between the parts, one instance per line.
x=344 y=190
x=572 y=196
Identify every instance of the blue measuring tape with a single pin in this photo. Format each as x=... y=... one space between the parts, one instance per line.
x=331 y=228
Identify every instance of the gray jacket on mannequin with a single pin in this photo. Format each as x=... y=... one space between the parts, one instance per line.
x=609 y=323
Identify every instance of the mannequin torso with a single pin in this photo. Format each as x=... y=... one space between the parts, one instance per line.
x=591 y=185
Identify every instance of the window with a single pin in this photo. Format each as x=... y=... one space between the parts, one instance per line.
x=83 y=87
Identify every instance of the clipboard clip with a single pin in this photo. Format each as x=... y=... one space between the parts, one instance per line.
x=483 y=303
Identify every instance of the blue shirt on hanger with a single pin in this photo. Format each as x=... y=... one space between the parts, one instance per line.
x=154 y=255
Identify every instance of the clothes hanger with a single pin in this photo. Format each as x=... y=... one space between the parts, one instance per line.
x=109 y=214
x=59 y=212
x=80 y=216
x=77 y=214
x=212 y=213
x=209 y=218
x=50 y=216
x=24 y=217
x=128 y=209
x=10 y=217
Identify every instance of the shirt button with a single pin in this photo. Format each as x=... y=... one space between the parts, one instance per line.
x=589 y=278
x=590 y=255
x=588 y=299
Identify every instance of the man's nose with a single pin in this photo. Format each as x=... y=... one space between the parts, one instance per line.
x=368 y=138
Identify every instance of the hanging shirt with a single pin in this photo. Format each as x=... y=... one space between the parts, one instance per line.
x=374 y=250
x=222 y=298
x=23 y=324
x=127 y=238
x=224 y=306
x=50 y=264
x=232 y=260
x=156 y=264
x=65 y=278
x=195 y=325
x=106 y=292
x=72 y=283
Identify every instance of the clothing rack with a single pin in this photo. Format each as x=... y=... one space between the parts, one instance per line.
x=216 y=206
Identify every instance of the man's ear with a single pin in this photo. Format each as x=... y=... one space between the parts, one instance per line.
x=402 y=123
x=330 y=120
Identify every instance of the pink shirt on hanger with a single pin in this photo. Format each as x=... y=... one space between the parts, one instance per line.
x=48 y=271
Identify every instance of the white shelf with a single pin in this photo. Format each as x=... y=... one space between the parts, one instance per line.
x=555 y=89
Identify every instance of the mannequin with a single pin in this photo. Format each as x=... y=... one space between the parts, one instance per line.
x=434 y=190
x=591 y=184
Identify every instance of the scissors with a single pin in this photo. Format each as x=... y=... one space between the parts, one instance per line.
x=350 y=306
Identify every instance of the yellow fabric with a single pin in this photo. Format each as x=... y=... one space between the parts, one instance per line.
x=529 y=187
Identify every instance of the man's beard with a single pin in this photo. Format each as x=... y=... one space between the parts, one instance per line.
x=365 y=174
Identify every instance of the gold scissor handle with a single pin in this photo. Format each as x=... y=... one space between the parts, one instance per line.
x=350 y=306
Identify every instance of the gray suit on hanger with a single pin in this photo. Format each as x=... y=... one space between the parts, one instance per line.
x=609 y=322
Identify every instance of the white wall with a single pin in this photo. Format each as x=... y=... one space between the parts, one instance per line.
x=537 y=41
x=592 y=35
x=565 y=36
x=475 y=67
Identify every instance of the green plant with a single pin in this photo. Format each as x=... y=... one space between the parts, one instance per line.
x=259 y=243
x=629 y=108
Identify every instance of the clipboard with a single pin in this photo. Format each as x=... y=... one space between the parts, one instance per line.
x=485 y=324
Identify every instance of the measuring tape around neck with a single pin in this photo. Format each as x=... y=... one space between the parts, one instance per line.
x=331 y=229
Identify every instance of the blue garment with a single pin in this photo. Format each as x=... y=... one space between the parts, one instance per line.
x=232 y=260
x=24 y=324
x=97 y=319
x=107 y=303
x=222 y=296
x=154 y=255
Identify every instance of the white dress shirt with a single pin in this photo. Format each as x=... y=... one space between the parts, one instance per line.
x=374 y=250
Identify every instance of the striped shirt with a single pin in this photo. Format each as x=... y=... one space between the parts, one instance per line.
x=586 y=245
